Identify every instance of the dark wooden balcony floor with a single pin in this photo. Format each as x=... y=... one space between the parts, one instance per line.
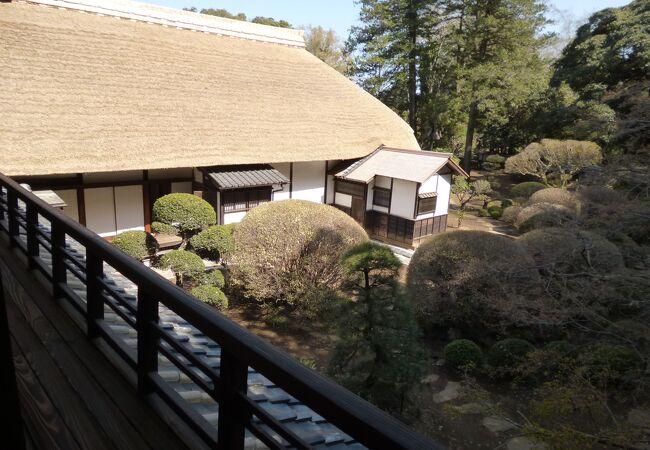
x=71 y=396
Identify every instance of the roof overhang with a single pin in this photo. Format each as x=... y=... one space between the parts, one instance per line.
x=245 y=176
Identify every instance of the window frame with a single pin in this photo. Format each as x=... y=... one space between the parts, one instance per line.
x=383 y=191
x=245 y=199
x=418 y=212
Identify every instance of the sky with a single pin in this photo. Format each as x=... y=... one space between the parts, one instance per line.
x=342 y=14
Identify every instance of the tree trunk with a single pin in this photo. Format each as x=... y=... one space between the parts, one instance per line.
x=469 y=137
x=412 y=20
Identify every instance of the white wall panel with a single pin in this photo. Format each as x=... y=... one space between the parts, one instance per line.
x=100 y=211
x=129 y=211
x=343 y=200
x=284 y=169
x=234 y=217
x=70 y=197
x=402 y=202
x=309 y=181
x=444 y=194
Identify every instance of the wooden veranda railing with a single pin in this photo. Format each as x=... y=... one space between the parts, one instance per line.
x=41 y=233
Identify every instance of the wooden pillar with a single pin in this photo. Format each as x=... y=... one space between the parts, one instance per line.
x=146 y=200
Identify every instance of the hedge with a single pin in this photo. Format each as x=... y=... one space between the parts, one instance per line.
x=526 y=189
x=185 y=211
x=163 y=228
x=508 y=353
x=211 y=295
x=184 y=264
x=138 y=244
x=214 y=243
x=463 y=354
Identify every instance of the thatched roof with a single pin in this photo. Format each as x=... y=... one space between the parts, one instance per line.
x=410 y=165
x=84 y=92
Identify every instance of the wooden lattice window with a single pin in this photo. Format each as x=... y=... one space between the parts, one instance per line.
x=381 y=197
x=245 y=199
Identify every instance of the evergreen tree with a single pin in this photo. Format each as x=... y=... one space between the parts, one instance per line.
x=379 y=356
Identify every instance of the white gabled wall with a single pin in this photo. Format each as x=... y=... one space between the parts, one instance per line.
x=444 y=194
x=233 y=217
x=402 y=202
x=309 y=181
x=69 y=196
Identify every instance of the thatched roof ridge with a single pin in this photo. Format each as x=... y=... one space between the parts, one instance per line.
x=91 y=93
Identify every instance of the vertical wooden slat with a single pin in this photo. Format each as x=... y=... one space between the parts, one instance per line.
x=233 y=379
x=94 y=300
x=148 y=341
x=12 y=206
x=32 y=243
x=58 y=265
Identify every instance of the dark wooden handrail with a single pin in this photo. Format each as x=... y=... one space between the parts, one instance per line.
x=240 y=348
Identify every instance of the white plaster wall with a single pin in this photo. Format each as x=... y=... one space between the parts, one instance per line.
x=104 y=177
x=100 y=211
x=402 y=201
x=129 y=210
x=309 y=181
x=430 y=185
x=70 y=197
x=382 y=182
x=370 y=196
x=182 y=186
x=162 y=174
x=233 y=217
x=284 y=169
x=343 y=200
x=444 y=194
x=330 y=189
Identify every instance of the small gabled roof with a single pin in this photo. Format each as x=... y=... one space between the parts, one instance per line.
x=410 y=165
x=255 y=175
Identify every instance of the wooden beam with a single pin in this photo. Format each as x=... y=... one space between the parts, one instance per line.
x=290 y=180
x=81 y=201
x=146 y=201
x=325 y=195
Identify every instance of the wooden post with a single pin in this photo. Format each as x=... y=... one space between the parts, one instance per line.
x=234 y=382
x=148 y=340
x=10 y=416
x=32 y=241
x=94 y=300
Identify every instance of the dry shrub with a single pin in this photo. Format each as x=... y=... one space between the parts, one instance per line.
x=556 y=196
x=571 y=252
x=474 y=280
x=510 y=214
x=289 y=251
x=561 y=213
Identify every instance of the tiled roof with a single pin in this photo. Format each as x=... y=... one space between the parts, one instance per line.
x=291 y=412
x=246 y=176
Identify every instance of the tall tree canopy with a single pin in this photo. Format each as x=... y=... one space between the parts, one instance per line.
x=325 y=45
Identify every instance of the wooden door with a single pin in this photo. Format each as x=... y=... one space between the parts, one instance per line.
x=358 y=209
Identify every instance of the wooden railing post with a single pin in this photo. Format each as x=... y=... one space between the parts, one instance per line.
x=233 y=380
x=148 y=340
x=57 y=238
x=12 y=215
x=94 y=300
x=2 y=211
x=31 y=223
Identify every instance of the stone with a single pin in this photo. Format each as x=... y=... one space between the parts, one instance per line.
x=450 y=392
x=524 y=443
x=440 y=362
x=430 y=379
x=497 y=424
x=639 y=418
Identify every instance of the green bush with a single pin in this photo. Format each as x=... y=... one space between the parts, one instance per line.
x=526 y=189
x=546 y=219
x=554 y=214
x=187 y=212
x=483 y=213
x=463 y=354
x=213 y=277
x=495 y=211
x=163 y=228
x=606 y=363
x=561 y=347
x=184 y=264
x=473 y=280
x=508 y=353
x=510 y=214
x=138 y=244
x=556 y=196
x=494 y=162
x=506 y=203
x=289 y=251
x=211 y=295
x=214 y=243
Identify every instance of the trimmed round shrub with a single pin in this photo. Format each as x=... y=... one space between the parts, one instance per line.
x=214 y=243
x=565 y=251
x=556 y=196
x=526 y=189
x=554 y=214
x=483 y=212
x=463 y=354
x=163 y=228
x=211 y=295
x=495 y=159
x=607 y=363
x=560 y=347
x=214 y=278
x=136 y=243
x=185 y=211
x=508 y=353
x=506 y=203
x=473 y=280
x=510 y=214
x=495 y=211
x=184 y=264
x=289 y=251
